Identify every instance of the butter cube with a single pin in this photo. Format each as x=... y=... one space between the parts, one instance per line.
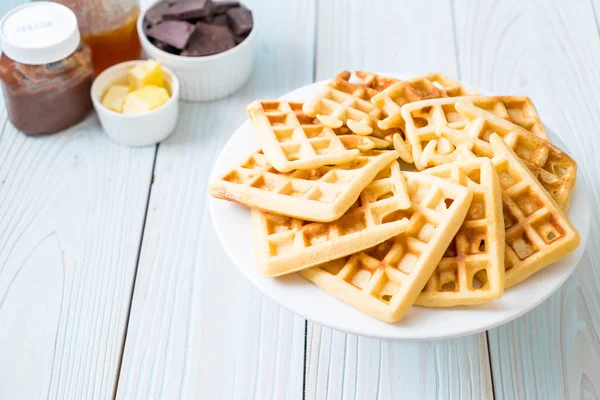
x=134 y=105
x=145 y=99
x=115 y=97
x=148 y=73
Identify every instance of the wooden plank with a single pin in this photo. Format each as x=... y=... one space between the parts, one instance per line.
x=551 y=52
x=71 y=211
x=198 y=329
x=72 y=207
x=389 y=37
x=346 y=366
x=411 y=36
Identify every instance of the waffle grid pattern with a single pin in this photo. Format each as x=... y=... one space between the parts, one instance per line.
x=391 y=100
x=537 y=232
x=319 y=194
x=371 y=80
x=450 y=86
x=342 y=103
x=436 y=132
x=394 y=97
x=288 y=244
x=442 y=131
x=554 y=169
x=385 y=280
x=472 y=269
x=516 y=109
x=292 y=140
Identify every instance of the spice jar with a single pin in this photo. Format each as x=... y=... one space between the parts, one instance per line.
x=45 y=69
x=109 y=28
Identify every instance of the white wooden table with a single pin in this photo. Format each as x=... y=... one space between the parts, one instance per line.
x=112 y=282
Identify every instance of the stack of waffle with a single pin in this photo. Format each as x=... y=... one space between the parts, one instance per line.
x=482 y=207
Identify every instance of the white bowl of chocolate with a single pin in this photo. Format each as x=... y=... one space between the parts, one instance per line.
x=208 y=44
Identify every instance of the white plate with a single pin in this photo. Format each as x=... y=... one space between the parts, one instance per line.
x=232 y=224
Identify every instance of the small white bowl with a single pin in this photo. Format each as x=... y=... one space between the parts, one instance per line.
x=136 y=129
x=208 y=77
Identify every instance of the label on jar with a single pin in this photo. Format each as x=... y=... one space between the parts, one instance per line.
x=37 y=26
x=39 y=33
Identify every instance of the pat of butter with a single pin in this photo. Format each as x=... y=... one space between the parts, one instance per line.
x=115 y=97
x=145 y=99
x=145 y=74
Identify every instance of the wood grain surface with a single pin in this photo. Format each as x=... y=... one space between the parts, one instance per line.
x=72 y=207
x=198 y=328
x=113 y=283
x=550 y=51
x=71 y=212
x=346 y=366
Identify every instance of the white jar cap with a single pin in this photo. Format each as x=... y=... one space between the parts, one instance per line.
x=39 y=33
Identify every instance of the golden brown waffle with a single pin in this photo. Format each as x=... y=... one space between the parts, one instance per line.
x=292 y=140
x=343 y=103
x=374 y=81
x=472 y=269
x=283 y=245
x=554 y=169
x=436 y=132
x=516 y=109
x=367 y=85
x=391 y=100
x=450 y=86
x=321 y=194
x=385 y=280
x=441 y=131
x=395 y=96
x=393 y=136
x=378 y=143
x=537 y=231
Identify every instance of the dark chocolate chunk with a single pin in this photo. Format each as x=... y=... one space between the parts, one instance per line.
x=209 y=39
x=145 y=26
x=220 y=20
x=239 y=38
x=189 y=9
x=240 y=20
x=208 y=20
x=173 y=33
x=155 y=14
x=165 y=47
x=221 y=7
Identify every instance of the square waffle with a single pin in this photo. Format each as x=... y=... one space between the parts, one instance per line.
x=385 y=280
x=321 y=194
x=341 y=102
x=283 y=245
x=537 y=230
x=292 y=140
x=374 y=81
x=391 y=100
x=450 y=86
x=472 y=269
x=441 y=131
x=556 y=171
x=516 y=109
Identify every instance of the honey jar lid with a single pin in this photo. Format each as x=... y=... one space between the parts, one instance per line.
x=39 y=33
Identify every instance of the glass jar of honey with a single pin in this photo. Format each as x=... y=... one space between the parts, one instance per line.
x=108 y=27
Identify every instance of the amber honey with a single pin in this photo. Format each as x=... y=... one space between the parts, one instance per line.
x=115 y=45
